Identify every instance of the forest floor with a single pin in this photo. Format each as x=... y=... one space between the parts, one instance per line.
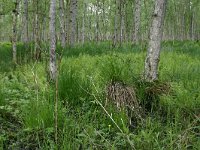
x=86 y=120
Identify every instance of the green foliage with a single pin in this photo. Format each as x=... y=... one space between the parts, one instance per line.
x=24 y=55
x=5 y=57
x=84 y=121
x=2 y=99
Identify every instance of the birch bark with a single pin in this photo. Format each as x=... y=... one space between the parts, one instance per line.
x=25 y=19
x=52 y=31
x=62 y=23
x=97 y=21
x=83 y=22
x=73 y=12
x=14 y=38
x=154 y=46
x=115 y=38
x=37 y=50
x=137 y=12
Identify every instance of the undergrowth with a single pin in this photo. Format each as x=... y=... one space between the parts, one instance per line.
x=85 y=121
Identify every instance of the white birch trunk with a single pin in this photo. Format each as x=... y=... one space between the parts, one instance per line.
x=153 y=54
x=67 y=22
x=121 y=22
x=62 y=23
x=104 y=22
x=122 y=28
x=137 y=12
x=115 y=39
x=73 y=12
x=90 y=25
x=14 y=38
x=25 y=19
x=36 y=30
x=83 y=22
x=97 y=21
x=52 y=31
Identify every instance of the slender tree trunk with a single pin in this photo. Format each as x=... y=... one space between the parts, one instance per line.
x=153 y=54
x=146 y=33
x=36 y=30
x=192 y=27
x=182 y=31
x=90 y=25
x=53 y=67
x=121 y=22
x=137 y=12
x=191 y=21
x=25 y=19
x=62 y=23
x=97 y=21
x=67 y=23
x=83 y=22
x=115 y=38
x=14 y=38
x=73 y=12
x=43 y=24
x=104 y=22
x=52 y=31
x=126 y=12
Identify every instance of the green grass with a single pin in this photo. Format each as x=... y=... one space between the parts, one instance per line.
x=171 y=123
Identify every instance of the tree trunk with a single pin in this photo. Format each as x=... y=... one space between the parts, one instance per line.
x=137 y=11
x=14 y=39
x=90 y=35
x=25 y=19
x=52 y=31
x=36 y=30
x=73 y=12
x=153 y=54
x=104 y=21
x=67 y=22
x=115 y=38
x=121 y=22
x=62 y=23
x=191 y=21
x=83 y=22
x=97 y=21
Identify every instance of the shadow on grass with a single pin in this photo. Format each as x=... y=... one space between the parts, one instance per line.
x=94 y=49
x=24 y=55
x=191 y=48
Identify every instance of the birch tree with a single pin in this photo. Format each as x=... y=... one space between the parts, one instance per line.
x=62 y=23
x=73 y=13
x=115 y=38
x=137 y=11
x=122 y=26
x=67 y=22
x=97 y=21
x=37 y=50
x=154 y=45
x=52 y=31
x=25 y=19
x=83 y=22
x=14 y=38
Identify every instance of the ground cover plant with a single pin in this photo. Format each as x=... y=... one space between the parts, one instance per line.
x=86 y=118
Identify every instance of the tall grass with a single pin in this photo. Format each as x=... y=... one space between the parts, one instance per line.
x=179 y=67
x=85 y=121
